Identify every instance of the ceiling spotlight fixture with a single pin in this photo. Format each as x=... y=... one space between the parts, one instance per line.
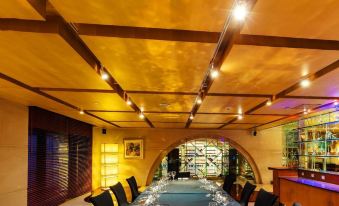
x=269 y=102
x=214 y=73
x=305 y=111
x=240 y=11
x=305 y=83
x=142 y=109
x=240 y=116
x=199 y=100
x=141 y=115
x=128 y=102
x=81 y=112
x=191 y=117
x=336 y=103
x=104 y=75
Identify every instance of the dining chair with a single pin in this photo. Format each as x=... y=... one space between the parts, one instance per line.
x=103 y=199
x=228 y=183
x=134 y=187
x=265 y=198
x=246 y=194
x=120 y=194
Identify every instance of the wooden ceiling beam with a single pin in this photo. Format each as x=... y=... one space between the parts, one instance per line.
x=70 y=35
x=225 y=43
x=39 y=6
x=48 y=26
x=288 y=42
x=309 y=97
x=147 y=33
x=37 y=91
x=75 y=90
x=329 y=68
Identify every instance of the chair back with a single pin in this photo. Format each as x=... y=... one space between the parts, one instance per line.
x=133 y=186
x=228 y=182
x=119 y=193
x=265 y=198
x=246 y=193
x=104 y=199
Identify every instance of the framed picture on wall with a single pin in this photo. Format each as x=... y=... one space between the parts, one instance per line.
x=134 y=148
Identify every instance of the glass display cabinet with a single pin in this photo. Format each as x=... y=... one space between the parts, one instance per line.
x=319 y=143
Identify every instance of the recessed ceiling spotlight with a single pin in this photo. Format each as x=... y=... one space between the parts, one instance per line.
x=240 y=117
x=104 y=75
x=336 y=103
x=199 y=100
x=269 y=102
x=141 y=116
x=129 y=102
x=142 y=109
x=305 y=111
x=191 y=117
x=81 y=112
x=305 y=83
x=214 y=73
x=240 y=11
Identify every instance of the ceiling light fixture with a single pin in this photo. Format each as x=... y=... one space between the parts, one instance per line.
x=214 y=73
x=191 y=117
x=199 y=100
x=305 y=110
x=141 y=115
x=305 y=83
x=104 y=75
x=142 y=109
x=81 y=112
x=336 y=103
x=269 y=102
x=240 y=117
x=240 y=11
x=128 y=102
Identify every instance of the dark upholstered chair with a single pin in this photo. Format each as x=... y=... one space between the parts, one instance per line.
x=133 y=186
x=120 y=194
x=228 y=183
x=265 y=198
x=104 y=199
x=246 y=194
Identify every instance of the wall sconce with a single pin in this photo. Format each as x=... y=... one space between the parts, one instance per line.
x=109 y=165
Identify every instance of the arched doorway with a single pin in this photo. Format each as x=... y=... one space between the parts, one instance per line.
x=230 y=142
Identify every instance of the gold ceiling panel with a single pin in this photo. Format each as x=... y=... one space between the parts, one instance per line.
x=153 y=65
x=18 y=9
x=327 y=85
x=257 y=119
x=164 y=103
x=268 y=70
x=180 y=14
x=93 y=101
x=205 y=126
x=166 y=117
x=239 y=126
x=118 y=116
x=169 y=125
x=11 y=92
x=212 y=118
x=229 y=104
x=132 y=124
x=290 y=18
x=45 y=60
x=290 y=106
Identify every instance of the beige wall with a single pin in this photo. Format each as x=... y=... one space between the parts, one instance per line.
x=265 y=148
x=13 y=154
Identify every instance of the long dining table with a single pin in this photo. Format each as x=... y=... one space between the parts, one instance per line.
x=185 y=193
